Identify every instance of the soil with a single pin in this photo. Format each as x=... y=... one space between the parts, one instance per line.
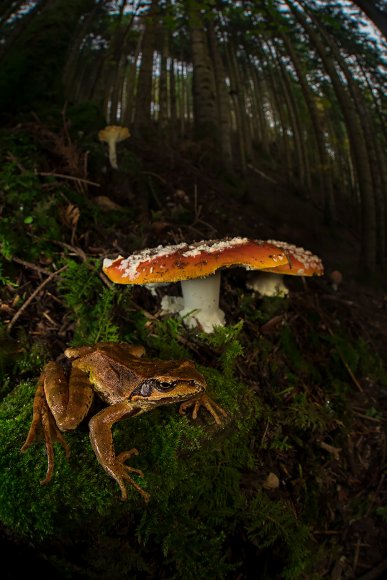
x=194 y=202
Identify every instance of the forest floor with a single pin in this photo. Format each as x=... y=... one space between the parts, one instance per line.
x=176 y=198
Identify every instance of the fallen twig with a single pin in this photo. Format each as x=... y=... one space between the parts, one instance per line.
x=15 y=160
x=335 y=451
x=61 y=175
x=261 y=173
x=31 y=266
x=79 y=252
x=368 y=417
x=338 y=299
x=33 y=295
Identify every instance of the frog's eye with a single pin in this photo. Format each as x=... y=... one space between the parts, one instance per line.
x=164 y=386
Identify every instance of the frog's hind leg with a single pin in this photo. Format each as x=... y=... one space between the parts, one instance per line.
x=38 y=403
x=51 y=435
x=43 y=420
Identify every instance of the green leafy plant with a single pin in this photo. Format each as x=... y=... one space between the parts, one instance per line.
x=89 y=301
x=273 y=524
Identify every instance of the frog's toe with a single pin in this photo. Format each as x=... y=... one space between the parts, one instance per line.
x=122 y=472
x=130 y=480
x=214 y=409
x=123 y=476
x=203 y=401
x=124 y=455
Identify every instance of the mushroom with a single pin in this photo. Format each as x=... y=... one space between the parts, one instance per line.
x=113 y=134
x=336 y=279
x=197 y=267
x=269 y=282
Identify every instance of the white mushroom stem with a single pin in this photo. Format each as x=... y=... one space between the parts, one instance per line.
x=112 y=141
x=201 y=303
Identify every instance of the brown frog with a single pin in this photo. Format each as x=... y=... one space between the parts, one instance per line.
x=128 y=384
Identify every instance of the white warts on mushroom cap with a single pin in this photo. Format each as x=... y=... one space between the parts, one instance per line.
x=113 y=134
x=300 y=262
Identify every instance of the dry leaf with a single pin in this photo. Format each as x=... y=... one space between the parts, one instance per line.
x=271 y=482
x=70 y=215
x=335 y=451
x=159 y=226
x=273 y=324
x=107 y=204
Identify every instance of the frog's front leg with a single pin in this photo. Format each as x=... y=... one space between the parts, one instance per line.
x=102 y=442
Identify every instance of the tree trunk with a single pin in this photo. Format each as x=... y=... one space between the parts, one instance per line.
x=130 y=84
x=163 y=84
x=257 y=97
x=143 y=99
x=318 y=130
x=203 y=89
x=172 y=101
x=302 y=163
x=71 y=69
x=222 y=99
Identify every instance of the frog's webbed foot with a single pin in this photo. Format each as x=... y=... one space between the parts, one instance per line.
x=43 y=421
x=121 y=474
x=203 y=401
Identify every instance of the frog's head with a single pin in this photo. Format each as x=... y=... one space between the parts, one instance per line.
x=171 y=381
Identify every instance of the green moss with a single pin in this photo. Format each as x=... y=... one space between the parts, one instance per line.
x=261 y=309
x=89 y=302
x=273 y=524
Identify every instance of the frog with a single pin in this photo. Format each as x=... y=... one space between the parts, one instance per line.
x=128 y=384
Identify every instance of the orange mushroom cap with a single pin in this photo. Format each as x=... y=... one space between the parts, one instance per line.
x=187 y=261
x=300 y=262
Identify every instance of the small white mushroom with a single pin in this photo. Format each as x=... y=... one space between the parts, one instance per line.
x=336 y=279
x=113 y=134
x=267 y=284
